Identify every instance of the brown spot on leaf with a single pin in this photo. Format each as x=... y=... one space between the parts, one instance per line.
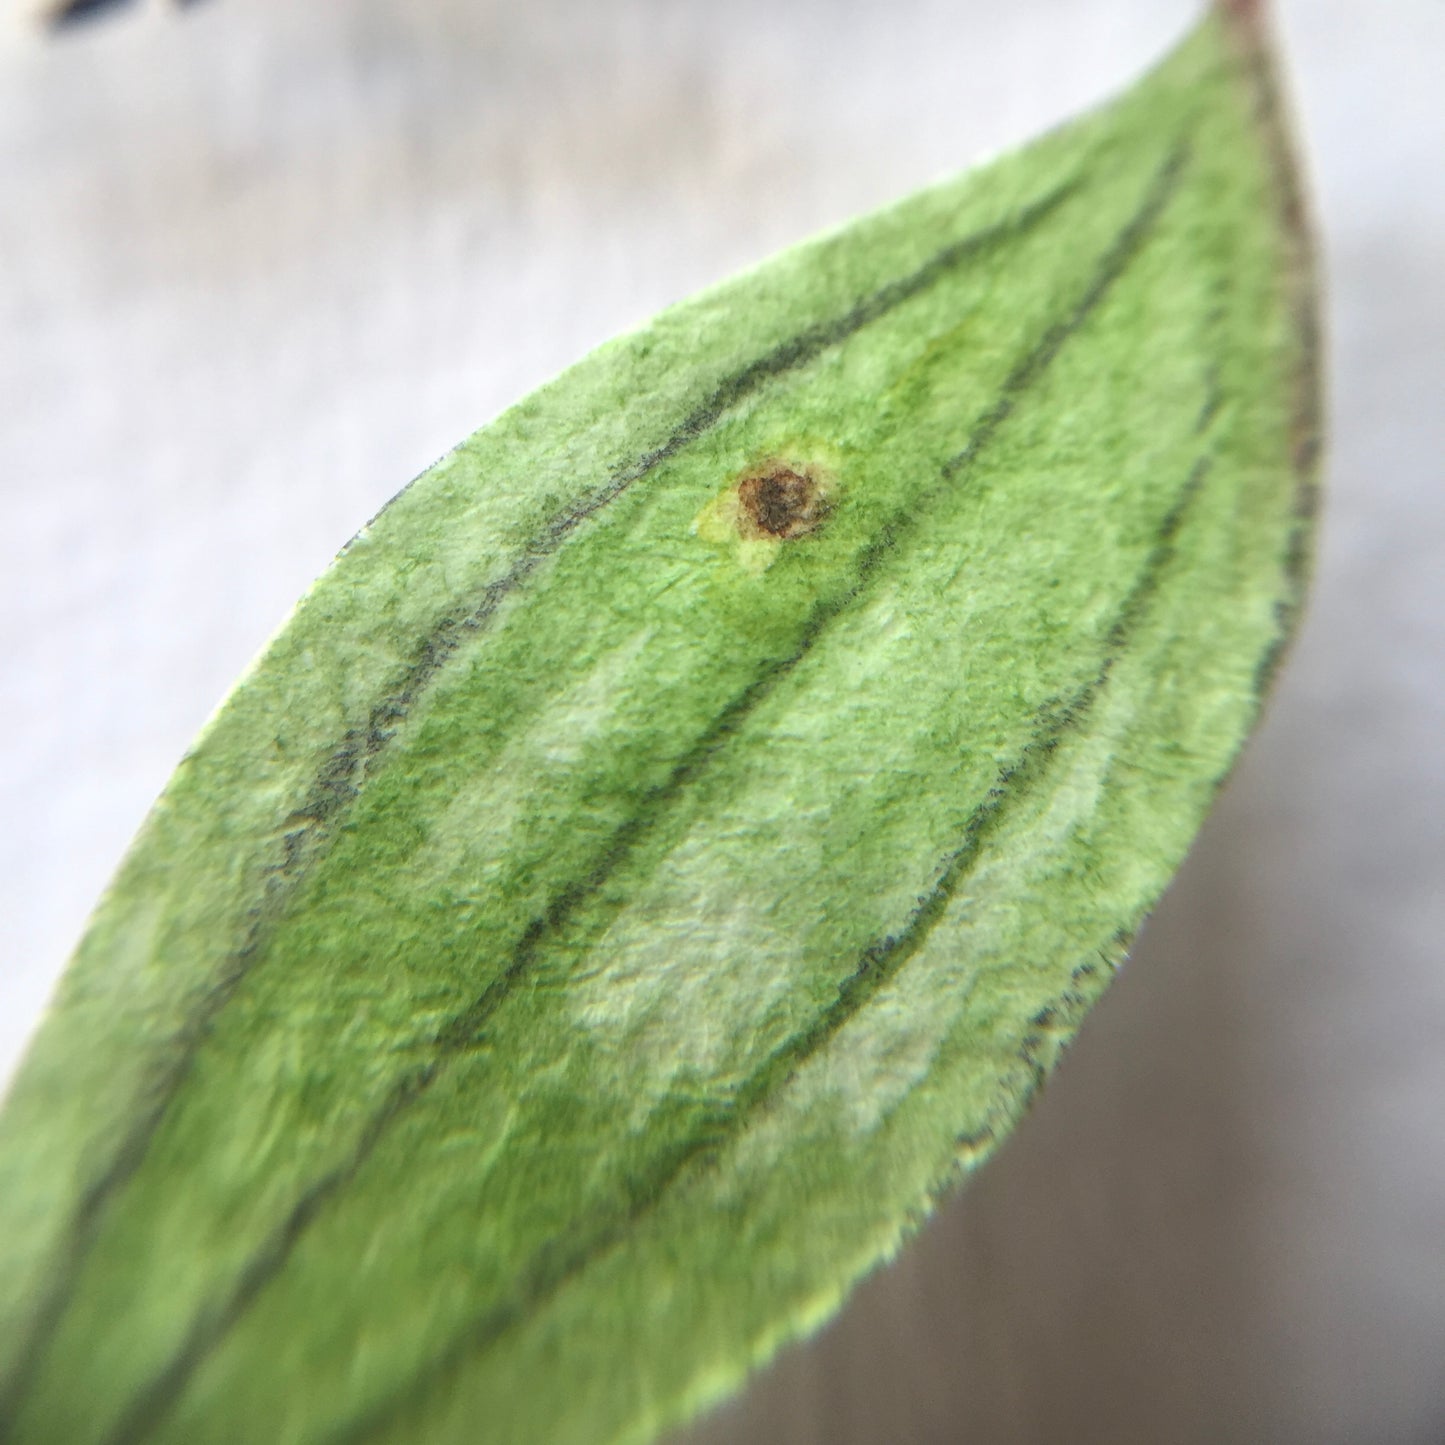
x=780 y=500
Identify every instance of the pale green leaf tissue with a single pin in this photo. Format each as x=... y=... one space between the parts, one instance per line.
x=678 y=836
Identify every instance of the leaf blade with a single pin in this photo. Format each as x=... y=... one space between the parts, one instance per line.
x=443 y=738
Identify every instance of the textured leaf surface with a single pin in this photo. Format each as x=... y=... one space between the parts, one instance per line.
x=681 y=832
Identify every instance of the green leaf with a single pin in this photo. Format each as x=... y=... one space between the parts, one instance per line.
x=679 y=835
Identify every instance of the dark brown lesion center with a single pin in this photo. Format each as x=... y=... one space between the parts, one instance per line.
x=780 y=501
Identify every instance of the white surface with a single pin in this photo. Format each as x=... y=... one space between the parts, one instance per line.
x=261 y=262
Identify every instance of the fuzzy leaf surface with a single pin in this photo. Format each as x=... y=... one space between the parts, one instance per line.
x=678 y=836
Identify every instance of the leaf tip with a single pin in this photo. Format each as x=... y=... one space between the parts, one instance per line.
x=1250 y=20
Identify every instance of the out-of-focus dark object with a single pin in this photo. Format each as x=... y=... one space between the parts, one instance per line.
x=66 y=13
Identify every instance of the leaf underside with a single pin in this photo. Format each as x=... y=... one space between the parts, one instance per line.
x=611 y=910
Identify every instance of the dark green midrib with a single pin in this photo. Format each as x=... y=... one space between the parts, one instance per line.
x=339 y=782
x=880 y=963
x=211 y=1325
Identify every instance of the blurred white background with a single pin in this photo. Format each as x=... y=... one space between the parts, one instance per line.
x=261 y=262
